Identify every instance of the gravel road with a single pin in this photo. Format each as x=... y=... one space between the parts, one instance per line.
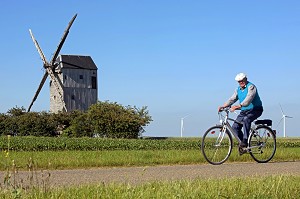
x=137 y=175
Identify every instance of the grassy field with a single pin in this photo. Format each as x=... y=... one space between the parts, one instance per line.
x=60 y=153
x=87 y=159
x=140 y=153
x=277 y=187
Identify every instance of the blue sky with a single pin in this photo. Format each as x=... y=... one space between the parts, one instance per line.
x=177 y=57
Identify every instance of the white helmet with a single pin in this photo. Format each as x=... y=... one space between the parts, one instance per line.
x=240 y=76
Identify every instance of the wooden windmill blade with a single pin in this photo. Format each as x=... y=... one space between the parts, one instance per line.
x=56 y=82
x=61 y=43
x=46 y=64
x=38 y=90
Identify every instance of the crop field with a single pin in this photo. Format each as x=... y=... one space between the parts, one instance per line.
x=88 y=144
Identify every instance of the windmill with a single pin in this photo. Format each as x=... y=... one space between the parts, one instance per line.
x=68 y=89
x=181 y=126
x=283 y=118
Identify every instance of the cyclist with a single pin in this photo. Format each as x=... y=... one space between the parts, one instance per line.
x=250 y=105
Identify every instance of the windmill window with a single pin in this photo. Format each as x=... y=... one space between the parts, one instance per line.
x=80 y=76
x=73 y=97
x=65 y=76
x=94 y=82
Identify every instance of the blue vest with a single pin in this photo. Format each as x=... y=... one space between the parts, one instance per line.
x=242 y=93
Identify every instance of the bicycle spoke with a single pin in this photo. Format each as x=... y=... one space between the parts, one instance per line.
x=214 y=156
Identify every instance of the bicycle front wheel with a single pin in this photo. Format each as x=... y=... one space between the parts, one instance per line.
x=216 y=145
x=262 y=143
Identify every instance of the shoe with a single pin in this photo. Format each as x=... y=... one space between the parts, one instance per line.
x=243 y=145
x=242 y=151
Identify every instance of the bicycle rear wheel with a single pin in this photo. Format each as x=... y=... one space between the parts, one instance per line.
x=216 y=145
x=262 y=143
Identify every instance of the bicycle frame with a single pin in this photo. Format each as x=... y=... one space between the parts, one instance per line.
x=228 y=127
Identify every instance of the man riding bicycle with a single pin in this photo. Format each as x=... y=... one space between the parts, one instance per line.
x=250 y=106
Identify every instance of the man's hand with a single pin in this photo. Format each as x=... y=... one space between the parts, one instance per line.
x=220 y=108
x=233 y=108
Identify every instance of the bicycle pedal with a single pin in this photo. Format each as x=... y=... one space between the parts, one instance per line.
x=242 y=150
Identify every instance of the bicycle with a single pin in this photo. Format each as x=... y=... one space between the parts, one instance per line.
x=217 y=142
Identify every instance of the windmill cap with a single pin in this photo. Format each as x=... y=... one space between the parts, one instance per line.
x=240 y=76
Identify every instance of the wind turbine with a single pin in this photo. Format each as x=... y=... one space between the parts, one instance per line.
x=283 y=118
x=182 y=128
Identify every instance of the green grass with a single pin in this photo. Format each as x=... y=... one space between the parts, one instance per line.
x=277 y=187
x=87 y=159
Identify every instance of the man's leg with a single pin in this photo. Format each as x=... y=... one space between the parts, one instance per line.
x=237 y=127
x=248 y=119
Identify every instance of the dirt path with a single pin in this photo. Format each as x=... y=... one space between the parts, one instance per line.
x=136 y=175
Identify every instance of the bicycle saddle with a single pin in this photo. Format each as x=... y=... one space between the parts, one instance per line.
x=264 y=122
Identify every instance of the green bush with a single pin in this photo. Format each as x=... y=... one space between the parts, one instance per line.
x=104 y=119
x=115 y=121
x=18 y=122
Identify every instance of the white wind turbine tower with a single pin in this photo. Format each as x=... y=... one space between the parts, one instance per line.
x=283 y=118
x=181 y=127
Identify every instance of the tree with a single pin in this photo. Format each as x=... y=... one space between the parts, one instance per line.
x=110 y=119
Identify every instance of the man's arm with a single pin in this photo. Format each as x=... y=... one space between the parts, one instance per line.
x=231 y=100
x=250 y=95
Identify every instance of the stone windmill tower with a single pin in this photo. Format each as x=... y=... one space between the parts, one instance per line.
x=73 y=79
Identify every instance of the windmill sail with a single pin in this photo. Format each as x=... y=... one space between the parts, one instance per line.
x=39 y=49
x=61 y=43
x=49 y=67
x=38 y=90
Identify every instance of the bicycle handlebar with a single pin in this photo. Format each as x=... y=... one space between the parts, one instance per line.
x=226 y=109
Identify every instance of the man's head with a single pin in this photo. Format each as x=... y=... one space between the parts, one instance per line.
x=241 y=78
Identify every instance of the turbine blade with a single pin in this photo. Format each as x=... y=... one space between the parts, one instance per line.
x=281 y=109
x=280 y=121
x=38 y=90
x=61 y=43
